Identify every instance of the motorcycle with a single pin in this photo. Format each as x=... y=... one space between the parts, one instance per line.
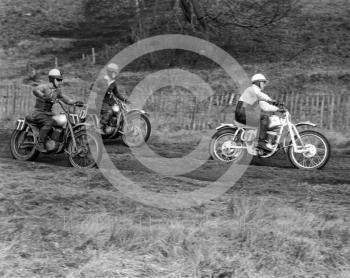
x=69 y=134
x=307 y=149
x=131 y=124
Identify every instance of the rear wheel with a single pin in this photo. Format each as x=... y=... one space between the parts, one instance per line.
x=89 y=150
x=226 y=148
x=22 y=145
x=317 y=151
x=138 y=130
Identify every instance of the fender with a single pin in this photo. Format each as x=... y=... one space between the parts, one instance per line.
x=224 y=126
x=82 y=125
x=307 y=123
x=77 y=128
x=137 y=112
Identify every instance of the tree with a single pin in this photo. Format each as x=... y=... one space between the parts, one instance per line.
x=251 y=14
x=193 y=11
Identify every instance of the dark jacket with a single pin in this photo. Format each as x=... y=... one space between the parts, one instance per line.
x=108 y=99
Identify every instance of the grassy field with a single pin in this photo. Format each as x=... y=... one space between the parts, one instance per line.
x=277 y=221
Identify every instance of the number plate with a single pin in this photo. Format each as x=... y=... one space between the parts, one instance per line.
x=20 y=124
x=74 y=118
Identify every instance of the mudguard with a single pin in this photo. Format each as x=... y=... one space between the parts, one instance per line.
x=223 y=126
x=136 y=112
x=307 y=123
x=82 y=125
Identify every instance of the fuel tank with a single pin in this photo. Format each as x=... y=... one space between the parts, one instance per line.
x=60 y=120
x=275 y=121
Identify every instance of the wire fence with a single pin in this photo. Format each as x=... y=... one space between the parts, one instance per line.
x=177 y=110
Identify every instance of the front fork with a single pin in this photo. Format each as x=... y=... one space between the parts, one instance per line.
x=75 y=148
x=293 y=131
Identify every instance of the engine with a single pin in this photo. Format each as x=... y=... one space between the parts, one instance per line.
x=271 y=138
x=51 y=145
x=56 y=136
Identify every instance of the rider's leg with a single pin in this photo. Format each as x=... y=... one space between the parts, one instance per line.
x=264 y=123
x=106 y=115
x=46 y=121
x=240 y=114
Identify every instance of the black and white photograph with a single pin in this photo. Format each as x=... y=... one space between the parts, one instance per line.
x=175 y=138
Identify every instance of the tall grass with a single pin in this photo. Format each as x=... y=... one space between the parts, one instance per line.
x=256 y=237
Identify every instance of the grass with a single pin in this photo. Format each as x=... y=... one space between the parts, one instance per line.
x=65 y=222
x=253 y=237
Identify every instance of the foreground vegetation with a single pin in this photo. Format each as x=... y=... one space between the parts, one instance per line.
x=275 y=222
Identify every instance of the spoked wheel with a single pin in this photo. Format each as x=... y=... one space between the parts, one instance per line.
x=316 y=151
x=138 y=131
x=88 y=152
x=224 y=147
x=22 y=145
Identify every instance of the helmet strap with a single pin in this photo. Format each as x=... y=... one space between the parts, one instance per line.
x=54 y=82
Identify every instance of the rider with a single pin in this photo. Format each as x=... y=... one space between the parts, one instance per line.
x=46 y=95
x=108 y=100
x=251 y=98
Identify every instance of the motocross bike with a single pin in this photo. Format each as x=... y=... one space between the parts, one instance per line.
x=307 y=149
x=69 y=135
x=131 y=124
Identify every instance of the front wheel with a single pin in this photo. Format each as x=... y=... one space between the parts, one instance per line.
x=137 y=131
x=22 y=145
x=88 y=152
x=316 y=151
x=226 y=148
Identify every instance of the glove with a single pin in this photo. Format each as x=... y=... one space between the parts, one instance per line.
x=79 y=103
x=275 y=103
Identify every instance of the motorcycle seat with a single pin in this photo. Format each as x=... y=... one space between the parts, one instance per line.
x=238 y=124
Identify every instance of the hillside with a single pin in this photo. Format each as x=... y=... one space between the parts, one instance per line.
x=312 y=27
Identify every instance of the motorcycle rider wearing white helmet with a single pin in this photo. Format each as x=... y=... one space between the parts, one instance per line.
x=112 y=90
x=46 y=95
x=252 y=99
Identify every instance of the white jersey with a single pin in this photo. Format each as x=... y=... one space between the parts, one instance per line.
x=253 y=94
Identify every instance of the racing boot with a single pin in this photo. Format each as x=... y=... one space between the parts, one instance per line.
x=263 y=144
x=101 y=129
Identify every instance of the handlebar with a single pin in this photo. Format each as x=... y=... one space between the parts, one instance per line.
x=61 y=103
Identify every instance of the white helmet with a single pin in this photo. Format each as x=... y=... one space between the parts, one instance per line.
x=55 y=74
x=113 y=67
x=258 y=78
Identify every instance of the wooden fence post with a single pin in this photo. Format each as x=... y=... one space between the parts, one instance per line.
x=322 y=111
x=331 y=127
x=347 y=116
x=93 y=56
x=6 y=102
x=338 y=109
x=14 y=99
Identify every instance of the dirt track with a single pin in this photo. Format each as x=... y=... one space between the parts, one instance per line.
x=274 y=176
x=46 y=205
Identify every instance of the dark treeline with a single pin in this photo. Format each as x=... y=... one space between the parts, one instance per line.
x=271 y=29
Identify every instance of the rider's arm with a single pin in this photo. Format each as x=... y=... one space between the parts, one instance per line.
x=65 y=99
x=117 y=94
x=262 y=96
x=265 y=106
x=39 y=93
